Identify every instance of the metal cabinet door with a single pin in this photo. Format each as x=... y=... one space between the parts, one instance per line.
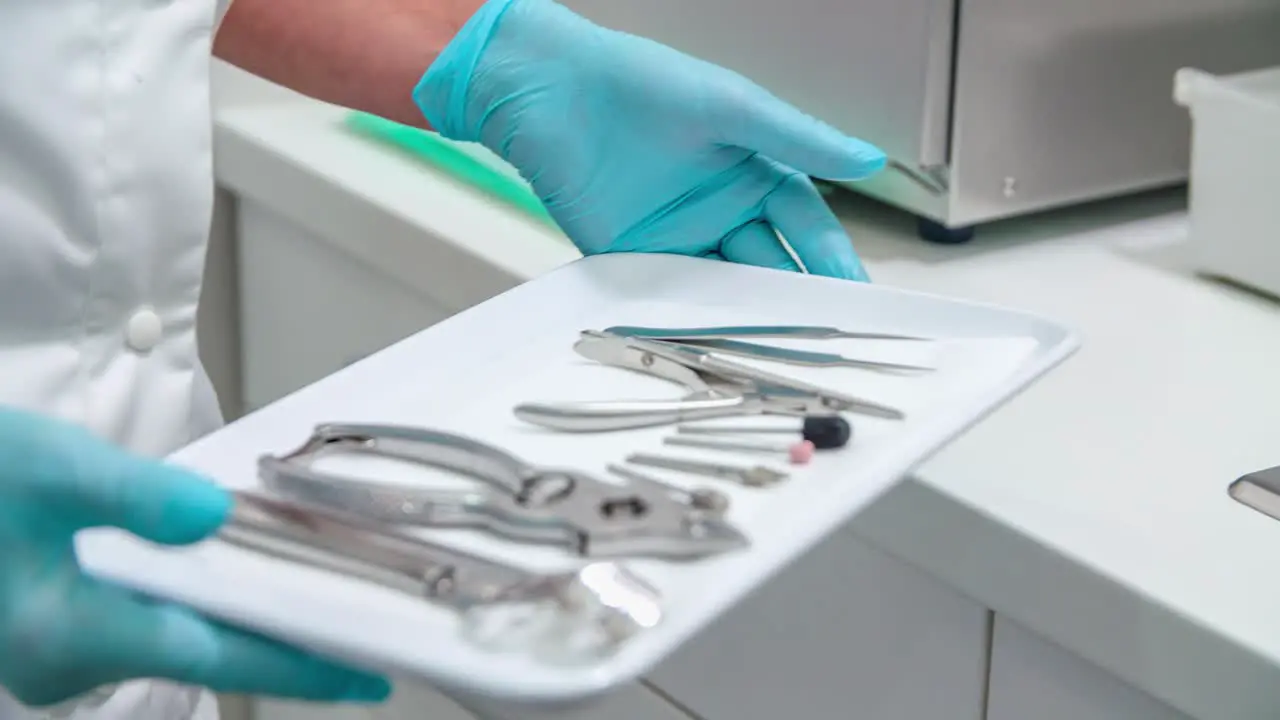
x=878 y=69
x=1059 y=101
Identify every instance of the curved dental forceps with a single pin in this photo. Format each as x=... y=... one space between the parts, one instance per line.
x=586 y=612
x=715 y=388
x=591 y=517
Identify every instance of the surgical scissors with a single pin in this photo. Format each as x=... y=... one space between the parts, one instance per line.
x=565 y=507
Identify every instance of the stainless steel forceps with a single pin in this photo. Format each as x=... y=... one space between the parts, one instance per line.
x=730 y=341
x=591 y=517
x=591 y=610
x=715 y=388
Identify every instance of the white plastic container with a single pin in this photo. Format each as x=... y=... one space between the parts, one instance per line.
x=1235 y=174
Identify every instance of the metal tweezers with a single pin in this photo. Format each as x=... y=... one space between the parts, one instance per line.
x=592 y=609
x=591 y=517
x=736 y=341
x=715 y=388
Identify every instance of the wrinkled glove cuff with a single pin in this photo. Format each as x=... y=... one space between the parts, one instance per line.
x=441 y=95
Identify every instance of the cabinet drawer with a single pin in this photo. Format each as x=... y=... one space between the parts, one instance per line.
x=418 y=702
x=308 y=309
x=1033 y=678
x=847 y=632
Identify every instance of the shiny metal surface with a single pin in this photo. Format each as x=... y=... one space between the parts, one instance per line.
x=582 y=613
x=740 y=445
x=607 y=350
x=876 y=68
x=564 y=507
x=749 y=475
x=1260 y=491
x=758 y=332
x=803 y=358
x=704 y=498
x=767 y=383
x=1007 y=106
x=612 y=416
x=715 y=388
x=1059 y=102
x=353 y=545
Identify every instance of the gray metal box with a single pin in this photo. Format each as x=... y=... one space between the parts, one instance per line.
x=1014 y=106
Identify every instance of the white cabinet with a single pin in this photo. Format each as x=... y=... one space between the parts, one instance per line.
x=416 y=702
x=309 y=308
x=847 y=632
x=1034 y=679
x=634 y=702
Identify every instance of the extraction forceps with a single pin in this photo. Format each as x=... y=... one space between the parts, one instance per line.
x=715 y=388
x=590 y=610
x=572 y=509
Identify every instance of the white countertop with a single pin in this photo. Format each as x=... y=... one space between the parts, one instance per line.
x=1092 y=509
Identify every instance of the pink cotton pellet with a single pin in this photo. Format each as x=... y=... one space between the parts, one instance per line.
x=801 y=453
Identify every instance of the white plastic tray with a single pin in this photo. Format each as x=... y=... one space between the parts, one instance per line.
x=466 y=373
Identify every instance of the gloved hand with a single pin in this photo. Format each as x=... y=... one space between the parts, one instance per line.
x=633 y=146
x=63 y=633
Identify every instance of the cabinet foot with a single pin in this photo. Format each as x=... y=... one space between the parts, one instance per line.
x=935 y=232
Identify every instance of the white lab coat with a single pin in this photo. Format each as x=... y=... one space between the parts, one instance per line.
x=105 y=203
x=106 y=192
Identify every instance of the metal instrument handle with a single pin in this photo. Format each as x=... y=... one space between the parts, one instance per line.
x=793 y=332
x=570 y=616
x=751 y=476
x=383 y=502
x=433 y=448
x=351 y=546
x=630 y=415
x=530 y=506
x=803 y=358
x=613 y=351
x=703 y=360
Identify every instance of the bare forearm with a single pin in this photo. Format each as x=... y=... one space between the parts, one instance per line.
x=362 y=54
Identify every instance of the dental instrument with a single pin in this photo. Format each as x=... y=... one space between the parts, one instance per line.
x=825 y=432
x=803 y=358
x=525 y=503
x=797 y=453
x=757 y=332
x=748 y=475
x=714 y=389
x=581 y=614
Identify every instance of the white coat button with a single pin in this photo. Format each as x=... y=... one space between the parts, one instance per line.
x=144 y=330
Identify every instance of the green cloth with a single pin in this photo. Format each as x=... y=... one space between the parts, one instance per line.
x=446 y=156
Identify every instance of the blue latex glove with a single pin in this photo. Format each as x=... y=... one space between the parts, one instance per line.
x=63 y=633
x=635 y=147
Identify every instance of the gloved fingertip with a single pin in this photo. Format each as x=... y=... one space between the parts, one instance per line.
x=859 y=272
x=191 y=649
x=842 y=265
x=367 y=689
x=188 y=508
x=864 y=160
